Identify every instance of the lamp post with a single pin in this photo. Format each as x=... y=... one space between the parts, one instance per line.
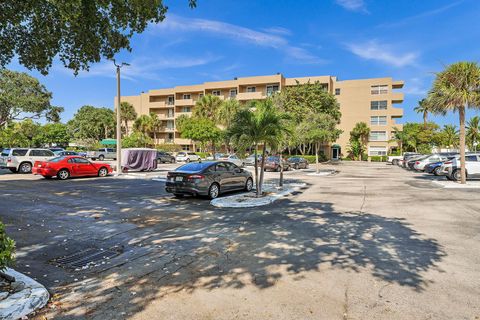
x=119 y=123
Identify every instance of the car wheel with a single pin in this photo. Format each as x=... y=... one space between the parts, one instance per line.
x=394 y=162
x=101 y=157
x=296 y=166
x=437 y=171
x=249 y=185
x=103 y=172
x=93 y=159
x=25 y=167
x=178 y=195
x=172 y=161
x=457 y=175
x=63 y=174
x=213 y=191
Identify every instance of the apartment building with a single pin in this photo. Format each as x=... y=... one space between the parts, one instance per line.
x=367 y=100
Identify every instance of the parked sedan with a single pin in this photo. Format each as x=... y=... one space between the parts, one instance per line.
x=250 y=160
x=165 y=157
x=472 y=166
x=298 y=162
x=209 y=178
x=232 y=158
x=70 y=166
x=420 y=164
x=186 y=157
x=272 y=163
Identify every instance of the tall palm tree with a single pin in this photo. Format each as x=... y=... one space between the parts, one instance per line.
x=457 y=88
x=423 y=108
x=156 y=125
x=400 y=137
x=261 y=125
x=473 y=132
x=361 y=132
x=127 y=113
x=450 y=136
x=143 y=124
x=207 y=107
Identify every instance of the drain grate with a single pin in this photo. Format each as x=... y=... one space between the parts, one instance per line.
x=87 y=258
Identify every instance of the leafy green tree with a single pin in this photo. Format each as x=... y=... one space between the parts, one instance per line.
x=321 y=129
x=400 y=137
x=92 y=124
x=203 y=130
x=423 y=108
x=207 y=107
x=10 y=137
x=157 y=125
x=359 y=133
x=262 y=124
x=225 y=116
x=473 y=133
x=457 y=88
x=449 y=136
x=143 y=124
x=127 y=113
x=54 y=133
x=24 y=97
x=136 y=140
x=7 y=249
x=77 y=32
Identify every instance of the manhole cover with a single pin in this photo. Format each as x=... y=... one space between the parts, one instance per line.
x=87 y=258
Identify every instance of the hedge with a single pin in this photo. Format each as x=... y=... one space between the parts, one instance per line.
x=7 y=249
x=378 y=158
x=310 y=158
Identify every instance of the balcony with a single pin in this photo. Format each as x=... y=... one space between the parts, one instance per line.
x=164 y=141
x=158 y=104
x=165 y=116
x=396 y=112
x=397 y=97
x=182 y=141
x=250 y=96
x=184 y=102
x=188 y=114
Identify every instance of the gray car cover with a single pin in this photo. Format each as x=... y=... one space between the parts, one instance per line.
x=143 y=159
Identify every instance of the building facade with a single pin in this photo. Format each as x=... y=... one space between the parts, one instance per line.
x=366 y=100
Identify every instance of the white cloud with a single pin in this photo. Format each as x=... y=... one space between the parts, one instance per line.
x=271 y=38
x=373 y=50
x=352 y=5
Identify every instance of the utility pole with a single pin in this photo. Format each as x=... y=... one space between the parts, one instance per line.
x=119 y=123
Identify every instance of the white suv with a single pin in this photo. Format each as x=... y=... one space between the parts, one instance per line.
x=186 y=157
x=22 y=159
x=472 y=166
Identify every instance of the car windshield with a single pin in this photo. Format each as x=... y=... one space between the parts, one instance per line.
x=57 y=159
x=5 y=152
x=194 y=166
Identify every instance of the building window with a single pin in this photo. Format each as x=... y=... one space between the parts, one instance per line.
x=170 y=124
x=187 y=96
x=251 y=89
x=378 y=120
x=170 y=113
x=169 y=138
x=186 y=109
x=378 y=136
x=377 y=151
x=271 y=89
x=233 y=93
x=185 y=147
x=379 y=89
x=171 y=100
x=216 y=92
x=200 y=95
x=378 y=105
x=337 y=91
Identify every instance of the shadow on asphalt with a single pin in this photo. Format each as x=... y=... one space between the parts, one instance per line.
x=233 y=248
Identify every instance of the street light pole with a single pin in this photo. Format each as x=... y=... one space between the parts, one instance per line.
x=119 y=123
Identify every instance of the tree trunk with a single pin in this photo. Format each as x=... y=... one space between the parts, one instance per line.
x=126 y=127
x=317 y=164
x=280 y=183
x=256 y=169
x=262 y=170
x=154 y=138
x=425 y=120
x=462 y=145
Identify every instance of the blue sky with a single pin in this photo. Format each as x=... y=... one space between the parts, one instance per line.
x=407 y=39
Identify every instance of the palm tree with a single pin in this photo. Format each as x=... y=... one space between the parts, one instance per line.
x=225 y=115
x=156 y=125
x=473 y=132
x=262 y=125
x=423 y=108
x=207 y=107
x=457 y=88
x=400 y=137
x=143 y=124
x=450 y=136
x=127 y=113
x=360 y=132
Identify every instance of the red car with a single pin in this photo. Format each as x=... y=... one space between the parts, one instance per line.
x=70 y=166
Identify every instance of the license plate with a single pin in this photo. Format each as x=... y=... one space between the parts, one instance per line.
x=178 y=178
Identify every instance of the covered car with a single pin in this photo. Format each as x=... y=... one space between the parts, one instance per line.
x=141 y=159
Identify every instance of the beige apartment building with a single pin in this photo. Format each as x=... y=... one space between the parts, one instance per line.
x=368 y=100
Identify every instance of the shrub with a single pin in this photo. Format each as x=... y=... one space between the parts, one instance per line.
x=7 y=249
x=310 y=158
x=378 y=158
x=169 y=147
x=203 y=155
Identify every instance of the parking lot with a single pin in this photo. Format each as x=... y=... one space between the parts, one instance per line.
x=371 y=242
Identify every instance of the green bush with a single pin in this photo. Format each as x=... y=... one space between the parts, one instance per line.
x=7 y=249
x=378 y=158
x=203 y=155
x=169 y=147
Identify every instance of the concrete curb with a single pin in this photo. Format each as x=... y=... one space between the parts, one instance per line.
x=33 y=296
x=244 y=201
x=322 y=173
x=457 y=185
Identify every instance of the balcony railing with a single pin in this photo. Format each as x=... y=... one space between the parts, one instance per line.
x=184 y=102
x=397 y=97
x=250 y=96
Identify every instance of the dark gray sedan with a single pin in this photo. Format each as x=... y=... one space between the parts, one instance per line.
x=209 y=178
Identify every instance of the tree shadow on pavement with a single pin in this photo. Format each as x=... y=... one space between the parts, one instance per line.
x=234 y=248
